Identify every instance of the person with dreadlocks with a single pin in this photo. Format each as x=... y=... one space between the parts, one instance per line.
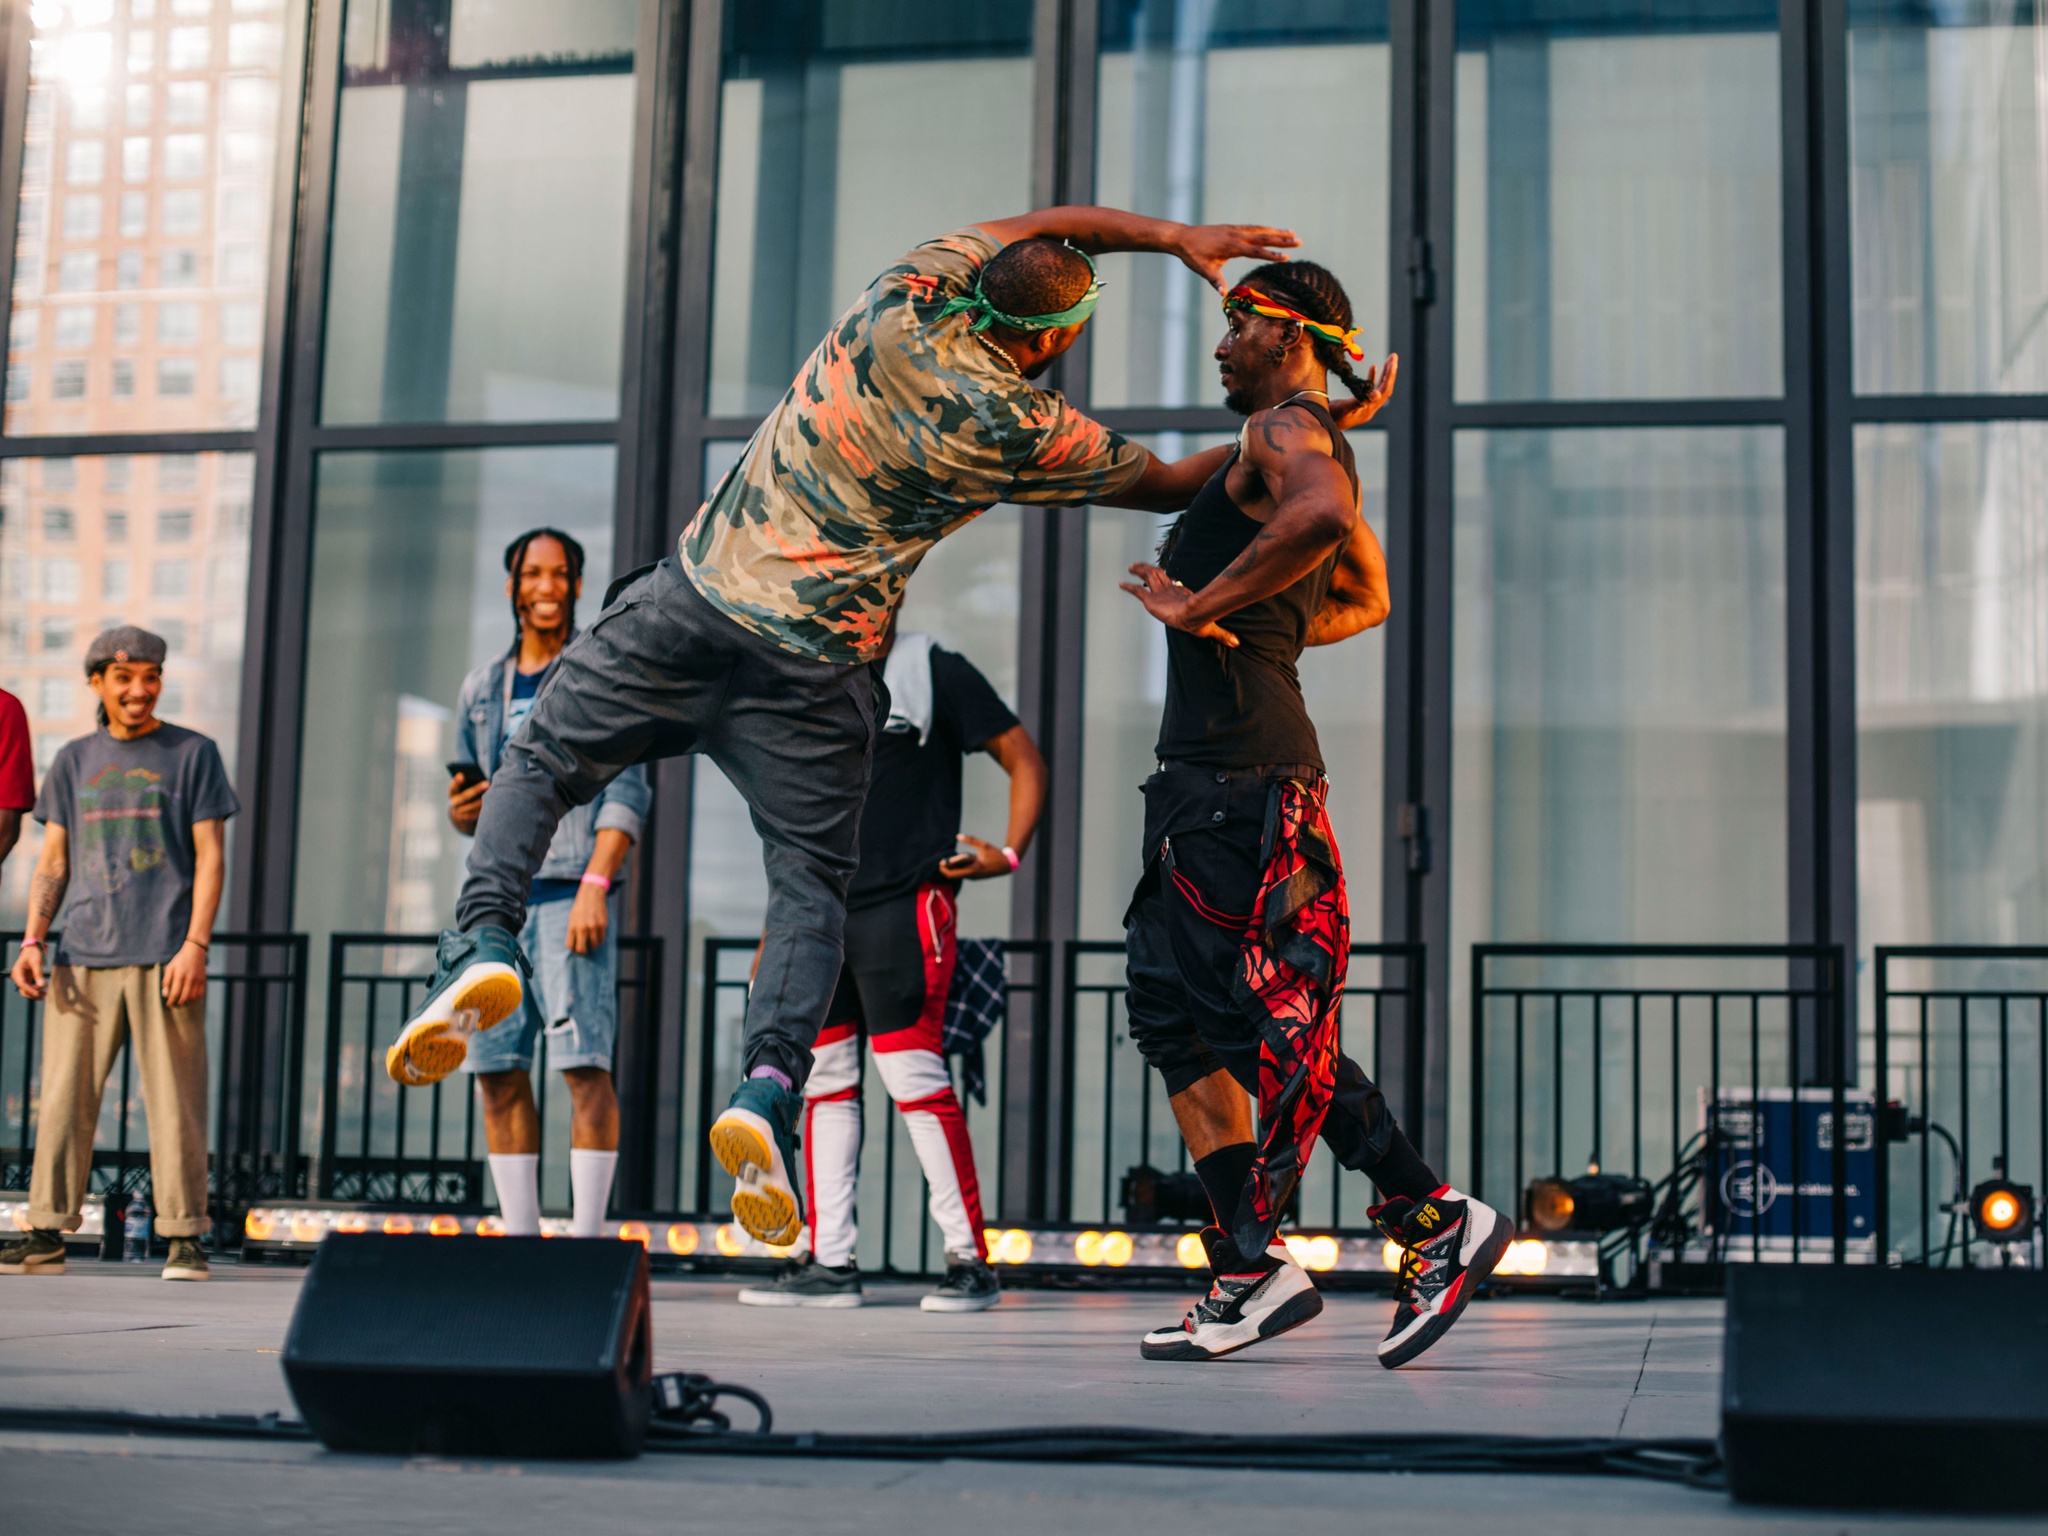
x=566 y=926
x=753 y=641
x=1239 y=934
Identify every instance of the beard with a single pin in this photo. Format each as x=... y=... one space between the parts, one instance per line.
x=1239 y=400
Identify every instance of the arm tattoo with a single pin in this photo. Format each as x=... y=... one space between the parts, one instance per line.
x=46 y=893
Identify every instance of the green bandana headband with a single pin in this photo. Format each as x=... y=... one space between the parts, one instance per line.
x=986 y=314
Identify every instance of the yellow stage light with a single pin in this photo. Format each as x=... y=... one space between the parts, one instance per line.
x=1088 y=1248
x=1013 y=1247
x=636 y=1232
x=1551 y=1205
x=397 y=1226
x=351 y=1223
x=256 y=1225
x=682 y=1239
x=490 y=1226
x=444 y=1225
x=1319 y=1253
x=1390 y=1255
x=2002 y=1211
x=1116 y=1249
x=731 y=1241
x=1189 y=1251
x=1525 y=1256
x=306 y=1229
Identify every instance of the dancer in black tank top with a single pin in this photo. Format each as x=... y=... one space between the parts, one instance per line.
x=1238 y=935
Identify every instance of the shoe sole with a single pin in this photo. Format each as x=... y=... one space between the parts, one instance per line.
x=762 y=1202
x=959 y=1303
x=426 y=1051
x=1476 y=1272
x=187 y=1274
x=56 y=1268
x=1300 y=1308
x=776 y=1299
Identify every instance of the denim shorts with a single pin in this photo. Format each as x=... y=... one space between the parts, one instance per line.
x=577 y=1002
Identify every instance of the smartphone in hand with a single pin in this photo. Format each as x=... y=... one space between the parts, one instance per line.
x=465 y=774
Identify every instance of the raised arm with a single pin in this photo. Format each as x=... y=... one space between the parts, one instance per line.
x=1168 y=486
x=1357 y=599
x=1314 y=514
x=1204 y=247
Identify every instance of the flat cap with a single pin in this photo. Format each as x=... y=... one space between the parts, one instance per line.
x=124 y=642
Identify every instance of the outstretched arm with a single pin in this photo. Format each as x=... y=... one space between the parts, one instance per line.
x=1315 y=514
x=1204 y=247
x=1357 y=599
x=1170 y=486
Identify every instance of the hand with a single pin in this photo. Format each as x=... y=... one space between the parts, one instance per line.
x=1379 y=389
x=1206 y=247
x=982 y=861
x=185 y=976
x=30 y=978
x=465 y=805
x=589 y=915
x=1168 y=602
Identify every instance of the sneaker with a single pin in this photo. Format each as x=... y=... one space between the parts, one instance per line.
x=35 y=1252
x=1453 y=1242
x=1241 y=1309
x=807 y=1283
x=476 y=984
x=755 y=1142
x=970 y=1286
x=187 y=1260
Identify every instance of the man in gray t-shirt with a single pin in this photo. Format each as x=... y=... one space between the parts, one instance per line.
x=133 y=820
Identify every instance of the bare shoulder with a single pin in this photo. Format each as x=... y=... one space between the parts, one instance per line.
x=1283 y=431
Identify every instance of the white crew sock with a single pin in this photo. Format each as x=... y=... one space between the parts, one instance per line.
x=590 y=1177
x=517 y=1176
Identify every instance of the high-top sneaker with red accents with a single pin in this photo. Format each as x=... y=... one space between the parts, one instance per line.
x=1246 y=1303
x=1451 y=1242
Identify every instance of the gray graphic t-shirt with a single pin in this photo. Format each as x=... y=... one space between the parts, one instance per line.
x=127 y=808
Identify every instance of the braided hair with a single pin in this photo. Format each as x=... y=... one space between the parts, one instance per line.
x=515 y=556
x=1315 y=291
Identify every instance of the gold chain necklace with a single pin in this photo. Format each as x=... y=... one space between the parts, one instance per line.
x=998 y=351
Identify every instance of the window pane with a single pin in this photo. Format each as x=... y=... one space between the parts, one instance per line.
x=1952 y=683
x=138 y=211
x=408 y=595
x=1617 y=202
x=1185 y=130
x=1124 y=693
x=74 y=534
x=849 y=132
x=478 y=263
x=1948 y=145
x=1619 y=677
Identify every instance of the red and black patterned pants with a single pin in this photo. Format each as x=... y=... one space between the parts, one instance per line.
x=1238 y=939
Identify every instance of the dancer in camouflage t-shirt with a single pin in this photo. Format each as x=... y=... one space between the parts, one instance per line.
x=751 y=644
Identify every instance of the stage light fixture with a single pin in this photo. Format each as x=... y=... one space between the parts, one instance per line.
x=732 y=1242
x=1116 y=1249
x=397 y=1226
x=307 y=1229
x=682 y=1239
x=362 y=1224
x=257 y=1225
x=2002 y=1211
x=1391 y=1253
x=441 y=1226
x=1189 y=1250
x=486 y=1226
x=636 y=1232
x=1596 y=1202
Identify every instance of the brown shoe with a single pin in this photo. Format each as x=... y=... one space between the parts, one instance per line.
x=187 y=1261
x=33 y=1253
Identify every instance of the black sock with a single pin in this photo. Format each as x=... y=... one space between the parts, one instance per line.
x=1223 y=1174
x=1402 y=1171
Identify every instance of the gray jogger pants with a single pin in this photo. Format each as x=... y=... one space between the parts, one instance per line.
x=662 y=673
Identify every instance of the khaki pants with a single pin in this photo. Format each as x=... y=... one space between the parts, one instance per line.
x=90 y=1011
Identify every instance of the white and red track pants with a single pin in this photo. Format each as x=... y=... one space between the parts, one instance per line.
x=892 y=990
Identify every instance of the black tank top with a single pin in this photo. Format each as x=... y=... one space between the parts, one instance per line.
x=1241 y=708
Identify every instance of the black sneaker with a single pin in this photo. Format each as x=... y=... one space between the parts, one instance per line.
x=1453 y=1242
x=807 y=1283
x=1242 y=1308
x=970 y=1286
x=35 y=1252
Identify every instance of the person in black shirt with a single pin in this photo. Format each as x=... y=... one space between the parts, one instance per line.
x=1238 y=935
x=900 y=917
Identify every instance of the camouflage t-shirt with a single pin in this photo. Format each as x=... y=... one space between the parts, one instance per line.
x=899 y=429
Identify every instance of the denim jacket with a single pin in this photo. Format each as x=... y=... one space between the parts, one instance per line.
x=480 y=739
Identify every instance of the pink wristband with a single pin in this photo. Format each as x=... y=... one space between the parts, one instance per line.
x=597 y=880
x=1011 y=854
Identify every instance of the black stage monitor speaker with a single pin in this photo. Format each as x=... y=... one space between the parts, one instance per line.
x=1861 y=1387
x=482 y=1346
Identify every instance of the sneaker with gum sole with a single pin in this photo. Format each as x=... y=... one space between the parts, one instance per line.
x=755 y=1141
x=35 y=1252
x=477 y=984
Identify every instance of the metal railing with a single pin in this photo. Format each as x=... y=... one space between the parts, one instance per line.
x=1115 y=1111
x=1638 y=1075
x=382 y=1143
x=255 y=1032
x=1962 y=1042
x=903 y=1240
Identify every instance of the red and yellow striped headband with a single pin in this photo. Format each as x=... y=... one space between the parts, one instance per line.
x=1259 y=303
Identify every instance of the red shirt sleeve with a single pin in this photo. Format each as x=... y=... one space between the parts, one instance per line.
x=17 y=761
